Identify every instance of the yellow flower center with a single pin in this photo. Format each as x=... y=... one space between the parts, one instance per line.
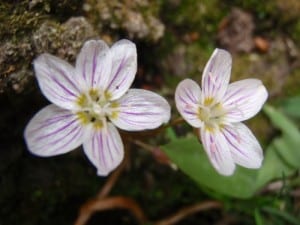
x=211 y=113
x=95 y=107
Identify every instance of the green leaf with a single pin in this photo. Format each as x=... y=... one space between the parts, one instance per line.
x=291 y=106
x=280 y=121
x=288 y=151
x=287 y=145
x=283 y=215
x=170 y=133
x=258 y=218
x=188 y=154
x=273 y=167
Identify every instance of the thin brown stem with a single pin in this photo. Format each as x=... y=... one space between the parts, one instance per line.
x=156 y=152
x=120 y=202
x=105 y=190
x=171 y=124
x=182 y=213
x=176 y=121
x=117 y=202
x=87 y=209
x=143 y=145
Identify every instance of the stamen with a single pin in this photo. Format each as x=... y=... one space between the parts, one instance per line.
x=98 y=124
x=107 y=95
x=114 y=105
x=114 y=114
x=209 y=127
x=82 y=100
x=94 y=94
x=83 y=117
x=208 y=101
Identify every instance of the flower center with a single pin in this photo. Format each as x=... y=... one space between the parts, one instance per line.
x=95 y=107
x=211 y=114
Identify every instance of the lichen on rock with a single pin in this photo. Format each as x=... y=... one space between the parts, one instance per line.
x=15 y=59
x=63 y=40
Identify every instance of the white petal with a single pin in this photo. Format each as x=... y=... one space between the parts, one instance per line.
x=216 y=75
x=124 y=67
x=141 y=109
x=187 y=99
x=244 y=99
x=218 y=151
x=53 y=131
x=56 y=80
x=105 y=149
x=244 y=147
x=93 y=64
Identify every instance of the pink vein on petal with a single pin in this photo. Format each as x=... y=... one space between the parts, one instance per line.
x=70 y=139
x=94 y=66
x=49 y=122
x=70 y=81
x=232 y=144
x=101 y=145
x=63 y=87
x=116 y=74
x=56 y=131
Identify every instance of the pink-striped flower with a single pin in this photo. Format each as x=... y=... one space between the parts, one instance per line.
x=218 y=110
x=90 y=101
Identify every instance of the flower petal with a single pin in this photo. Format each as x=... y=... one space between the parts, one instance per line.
x=216 y=75
x=105 y=149
x=141 y=109
x=93 y=64
x=187 y=99
x=124 y=68
x=53 y=131
x=56 y=80
x=218 y=151
x=244 y=99
x=244 y=147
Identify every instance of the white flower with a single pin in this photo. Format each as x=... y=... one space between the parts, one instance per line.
x=89 y=101
x=218 y=109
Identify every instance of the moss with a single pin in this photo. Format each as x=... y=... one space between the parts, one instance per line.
x=288 y=9
x=260 y=10
x=272 y=16
x=20 y=19
x=138 y=18
x=17 y=20
x=288 y=12
x=200 y=16
x=292 y=84
x=294 y=31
